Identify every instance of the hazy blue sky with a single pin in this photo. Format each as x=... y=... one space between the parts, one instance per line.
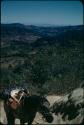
x=42 y=12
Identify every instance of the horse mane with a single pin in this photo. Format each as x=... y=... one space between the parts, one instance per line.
x=32 y=98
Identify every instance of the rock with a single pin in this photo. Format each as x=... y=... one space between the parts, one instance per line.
x=71 y=106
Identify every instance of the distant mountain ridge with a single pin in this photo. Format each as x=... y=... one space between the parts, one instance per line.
x=21 y=32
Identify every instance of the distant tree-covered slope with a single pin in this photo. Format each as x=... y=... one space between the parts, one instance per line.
x=46 y=59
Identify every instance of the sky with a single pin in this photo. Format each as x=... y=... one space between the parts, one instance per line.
x=42 y=12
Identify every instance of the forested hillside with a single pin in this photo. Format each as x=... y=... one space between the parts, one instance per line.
x=43 y=59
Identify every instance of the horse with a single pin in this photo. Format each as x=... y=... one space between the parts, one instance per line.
x=26 y=111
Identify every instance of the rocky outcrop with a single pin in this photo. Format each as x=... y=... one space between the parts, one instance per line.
x=71 y=107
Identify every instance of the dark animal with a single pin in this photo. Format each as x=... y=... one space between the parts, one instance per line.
x=27 y=110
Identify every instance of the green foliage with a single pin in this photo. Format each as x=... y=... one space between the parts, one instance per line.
x=47 y=66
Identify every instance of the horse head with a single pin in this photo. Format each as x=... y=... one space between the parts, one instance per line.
x=16 y=98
